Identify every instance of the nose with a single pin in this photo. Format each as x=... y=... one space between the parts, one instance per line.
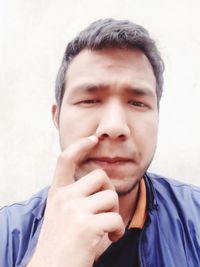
x=113 y=123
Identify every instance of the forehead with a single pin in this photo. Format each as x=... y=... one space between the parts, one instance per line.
x=111 y=66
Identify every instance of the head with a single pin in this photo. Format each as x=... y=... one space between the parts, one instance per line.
x=109 y=85
x=111 y=33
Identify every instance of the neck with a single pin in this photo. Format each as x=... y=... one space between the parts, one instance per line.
x=128 y=204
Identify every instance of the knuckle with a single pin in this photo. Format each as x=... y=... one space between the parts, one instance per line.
x=118 y=219
x=113 y=195
x=101 y=177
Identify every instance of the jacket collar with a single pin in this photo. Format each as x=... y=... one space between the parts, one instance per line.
x=152 y=203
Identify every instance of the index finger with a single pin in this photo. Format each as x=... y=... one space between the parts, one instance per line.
x=66 y=164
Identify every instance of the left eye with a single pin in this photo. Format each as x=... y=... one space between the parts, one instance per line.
x=136 y=103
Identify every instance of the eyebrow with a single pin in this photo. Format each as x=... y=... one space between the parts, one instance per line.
x=140 y=91
x=94 y=88
x=88 y=88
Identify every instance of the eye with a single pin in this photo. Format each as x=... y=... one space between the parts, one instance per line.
x=137 y=103
x=89 y=101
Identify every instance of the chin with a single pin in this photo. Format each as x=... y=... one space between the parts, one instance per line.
x=122 y=183
x=124 y=187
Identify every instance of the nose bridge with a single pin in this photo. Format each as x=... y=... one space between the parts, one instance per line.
x=115 y=111
x=113 y=121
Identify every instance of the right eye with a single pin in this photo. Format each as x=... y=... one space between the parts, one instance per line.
x=89 y=101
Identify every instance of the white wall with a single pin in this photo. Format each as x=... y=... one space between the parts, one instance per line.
x=33 y=36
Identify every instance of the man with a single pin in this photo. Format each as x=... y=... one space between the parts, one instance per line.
x=103 y=208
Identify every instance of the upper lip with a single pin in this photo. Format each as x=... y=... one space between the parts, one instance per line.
x=110 y=159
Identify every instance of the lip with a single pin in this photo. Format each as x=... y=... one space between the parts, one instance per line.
x=110 y=161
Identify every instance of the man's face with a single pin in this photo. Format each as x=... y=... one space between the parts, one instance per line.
x=111 y=93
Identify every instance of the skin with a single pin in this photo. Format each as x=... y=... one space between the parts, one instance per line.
x=97 y=101
x=110 y=95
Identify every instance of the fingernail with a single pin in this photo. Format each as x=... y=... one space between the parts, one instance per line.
x=93 y=138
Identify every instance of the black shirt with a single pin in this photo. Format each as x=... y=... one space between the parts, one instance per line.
x=123 y=253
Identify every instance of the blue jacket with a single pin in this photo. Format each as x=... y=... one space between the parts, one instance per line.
x=170 y=237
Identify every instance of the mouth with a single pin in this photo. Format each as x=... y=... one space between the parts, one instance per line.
x=109 y=163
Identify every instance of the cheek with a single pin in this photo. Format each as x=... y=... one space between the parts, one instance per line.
x=146 y=132
x=74 y=125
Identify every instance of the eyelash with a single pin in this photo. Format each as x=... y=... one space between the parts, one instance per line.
x=137 y=103
x=90 y=101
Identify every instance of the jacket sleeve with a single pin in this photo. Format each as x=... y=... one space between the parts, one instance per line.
x=5 y=260
x=20 y=225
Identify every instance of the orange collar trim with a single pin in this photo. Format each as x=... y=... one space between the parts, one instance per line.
x=139 y=216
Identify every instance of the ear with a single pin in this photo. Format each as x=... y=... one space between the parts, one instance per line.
x=55 y=115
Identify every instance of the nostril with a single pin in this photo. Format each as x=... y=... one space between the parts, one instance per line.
x=103 y=136
x=106 y=136
x=122 y=137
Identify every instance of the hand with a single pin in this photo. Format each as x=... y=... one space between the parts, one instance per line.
x=78 y=214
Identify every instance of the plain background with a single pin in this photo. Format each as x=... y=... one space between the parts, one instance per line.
x=33 y=36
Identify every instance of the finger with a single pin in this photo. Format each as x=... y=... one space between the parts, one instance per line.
x=68 y=159
x=93 y=182
x=104 y=201
x=111 y=223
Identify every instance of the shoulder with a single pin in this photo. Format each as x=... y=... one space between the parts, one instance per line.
x=173 y=194
x=19 y=222
x=170 y=186
x=26 y=207
x=175 y=219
